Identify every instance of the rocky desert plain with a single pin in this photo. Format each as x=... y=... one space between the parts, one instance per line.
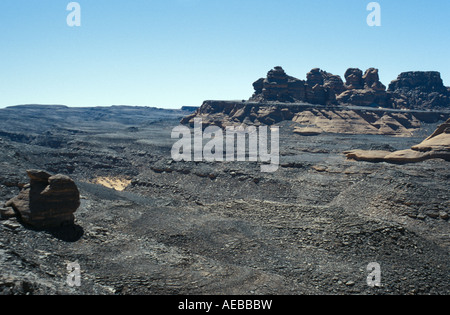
x=363 y=178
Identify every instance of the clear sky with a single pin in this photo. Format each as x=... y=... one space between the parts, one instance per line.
x=170 y=53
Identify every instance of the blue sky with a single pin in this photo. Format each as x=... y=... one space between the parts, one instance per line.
x=170 y=53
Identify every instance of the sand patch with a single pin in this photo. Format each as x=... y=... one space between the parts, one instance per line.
x=115 y=183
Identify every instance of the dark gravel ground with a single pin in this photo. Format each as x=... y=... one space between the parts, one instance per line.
x=312 y=227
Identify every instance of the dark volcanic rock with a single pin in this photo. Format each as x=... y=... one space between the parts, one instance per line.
x=48 y=201
x=419 y=90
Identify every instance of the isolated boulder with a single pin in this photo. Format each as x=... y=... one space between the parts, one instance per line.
x=48 y=201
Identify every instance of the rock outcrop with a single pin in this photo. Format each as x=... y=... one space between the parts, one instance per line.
x=47 y=202
x=279 y=87
x=437 y=146
x=372 y=80
x=321 y=87
x=313 y=119
x=227 y=113
x=321 y=103
x=318 y=121
x=419 y=90
x=411 y=90
x=333 y=82
x=364 y=90
x=315 y=77
x=354 y=79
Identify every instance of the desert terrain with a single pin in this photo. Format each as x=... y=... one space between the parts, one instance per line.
x=150 y=225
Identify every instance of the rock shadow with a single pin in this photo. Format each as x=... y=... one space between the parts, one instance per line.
x=70 y=233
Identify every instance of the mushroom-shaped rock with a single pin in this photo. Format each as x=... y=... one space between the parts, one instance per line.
x=48 y=201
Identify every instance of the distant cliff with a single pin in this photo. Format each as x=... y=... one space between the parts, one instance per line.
x=324 y=103
x=411 y=90
x=311 y=119
x=422 y=90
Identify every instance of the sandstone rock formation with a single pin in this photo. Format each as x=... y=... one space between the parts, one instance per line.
x=372 y=80
x=321 y=103
x=333 y=82
x=354 y=79
x=419 y=90
x=317 y=121
x=411 y=90
x=279 y=87
x=364 y=90
x=225 y=113
x=47 y=202
x=437 y=146
x=311 y=119
x=314 y=77
x=323 y=88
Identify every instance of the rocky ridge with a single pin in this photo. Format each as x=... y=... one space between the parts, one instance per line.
x=324 y=103
x=411 y=90
x=315 y=119
x=423 y=90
